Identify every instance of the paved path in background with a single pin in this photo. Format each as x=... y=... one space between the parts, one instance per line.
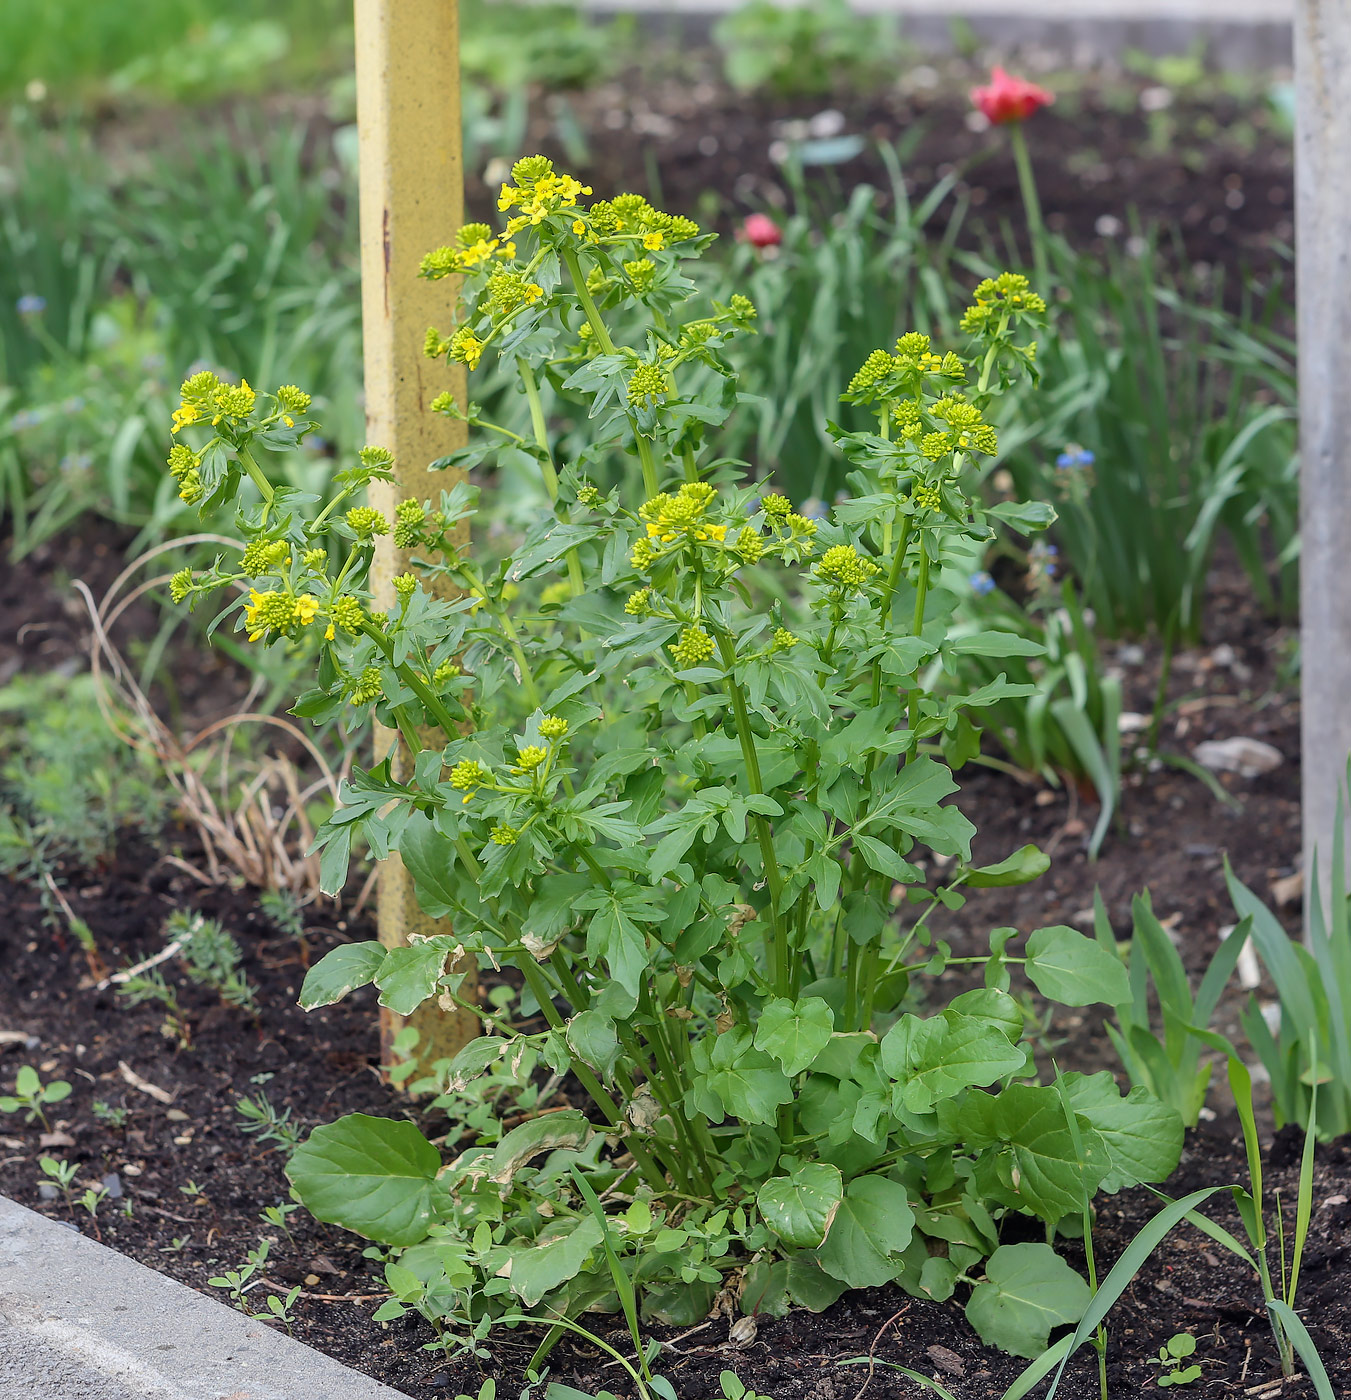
x=82 y=1322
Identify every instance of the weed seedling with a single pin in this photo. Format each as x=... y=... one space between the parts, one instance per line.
x=261 y=1118
x=110 y=1116
x=62 y=1173
x=30 y=1093
x=276 y=1215
x=1170 y=1358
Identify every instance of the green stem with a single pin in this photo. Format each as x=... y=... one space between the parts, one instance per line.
x=256 y=474
x=546 y=465
x=1027 y=184
x=781 y=970
x=430 y=702
x=602 y=335
x=539 y=986
x=917 y=627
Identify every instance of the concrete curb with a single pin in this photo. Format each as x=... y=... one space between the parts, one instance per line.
x=79 y=1321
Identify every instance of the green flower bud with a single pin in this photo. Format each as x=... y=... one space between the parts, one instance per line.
x=366 y=522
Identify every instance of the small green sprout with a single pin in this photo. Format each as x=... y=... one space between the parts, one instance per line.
x=30 y=1094
x=1170 y=1358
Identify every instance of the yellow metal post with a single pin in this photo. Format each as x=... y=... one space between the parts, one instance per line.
x=412 y=200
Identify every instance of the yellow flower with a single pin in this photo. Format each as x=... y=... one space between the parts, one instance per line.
x=654 y=241
x=578 y=227
x=185 y=416
x=307 y=608
x=329 y=633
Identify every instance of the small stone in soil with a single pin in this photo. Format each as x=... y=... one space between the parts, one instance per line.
x=112 y=1184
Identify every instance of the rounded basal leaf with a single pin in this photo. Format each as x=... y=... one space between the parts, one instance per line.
x=874 y=1222
x=1143 y=1136
x=1067 y=967
x=535 y=1269
x=1028 y=1290
x=347 y=967
x=794 y=1032
x=376 y=1176
x=800 y=1208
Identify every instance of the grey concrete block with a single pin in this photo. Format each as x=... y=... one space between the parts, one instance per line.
x=79 y=1321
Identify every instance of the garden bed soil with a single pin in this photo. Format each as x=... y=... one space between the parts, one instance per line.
x=1210 y=165
x=196 y=1183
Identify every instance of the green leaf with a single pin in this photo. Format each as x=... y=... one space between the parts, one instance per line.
x=408 y=975
x=430 y=858
x=1067 y=967
x=795 y=1033
x=995 y=643
x=1024 y=865
x=1028 y=1290
x=1143 y=1136
x=1304 y=1345
x=593 y=1037
x=873 y=1223
x=1113 y=1286
x=473 y=1059
x=375 y=1176
x=567 y=1129
x=1033 y=1164
x=747 y=1082
x=801 y=1208
x=537 y=1269
x=886 y=861
x=935 y=1058
x=347 y=967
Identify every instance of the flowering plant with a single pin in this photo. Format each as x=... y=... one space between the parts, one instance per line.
x=672 y=761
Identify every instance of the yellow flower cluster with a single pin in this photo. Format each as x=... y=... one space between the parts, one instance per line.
x=843 y=566
x=967 y=429
x=1008 y=295
x=206 y=398
x=670 y=518
x=474 y=246
x=538 y=192
x=366 y=522
x=694 y=647
x=927 y=497
x=274 y=613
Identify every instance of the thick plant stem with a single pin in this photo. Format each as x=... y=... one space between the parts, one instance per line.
x=430 y=702
x=1027 y=184
x=917 y=627
x=781 y=970
x=546 y=464
x=651 y=482
x=539 y=986
x=256 y=474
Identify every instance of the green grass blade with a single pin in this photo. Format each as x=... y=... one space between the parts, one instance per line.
x=1124 y=1270
x=918 y=1376
x=1303 y=1344
x=1304 y=1202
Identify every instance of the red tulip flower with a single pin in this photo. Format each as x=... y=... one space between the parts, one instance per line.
x=1009 y=99
x=760 y=231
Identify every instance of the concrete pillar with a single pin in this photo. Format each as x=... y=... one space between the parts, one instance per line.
x=412 y=200
x=1323 y=267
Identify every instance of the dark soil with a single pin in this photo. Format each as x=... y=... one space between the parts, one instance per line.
x=1215 y=167
x=196 y=1183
